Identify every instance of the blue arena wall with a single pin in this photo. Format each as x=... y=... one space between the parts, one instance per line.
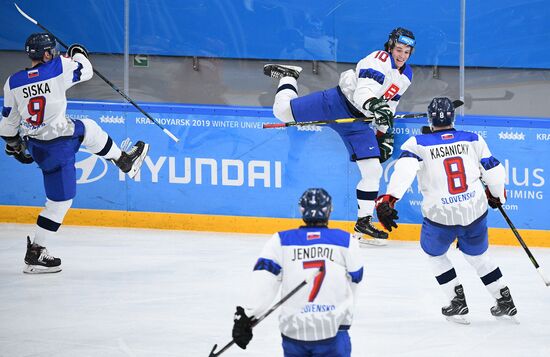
x=498 y=34
x=226 y=164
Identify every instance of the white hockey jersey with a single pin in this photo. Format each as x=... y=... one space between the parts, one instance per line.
x=35 y=101
x=375 y=76
x=320 y=308
x=450 y=165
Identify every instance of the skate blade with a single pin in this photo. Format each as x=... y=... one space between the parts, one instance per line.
x=458 y=319
x=36 y=269
x=364 y=242
x=137 y=164
x=507 y=318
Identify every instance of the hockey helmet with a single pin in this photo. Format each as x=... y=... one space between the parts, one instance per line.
x=441 y=112
x=400 y=35
x=38 y=43
x=315 y=205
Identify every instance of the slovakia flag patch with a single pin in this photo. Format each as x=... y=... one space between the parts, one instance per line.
x=447 y=136
x=313 y=235
x=32 y=73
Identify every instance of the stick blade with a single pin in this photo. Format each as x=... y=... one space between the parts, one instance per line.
x=212 y=353
x=25 y=15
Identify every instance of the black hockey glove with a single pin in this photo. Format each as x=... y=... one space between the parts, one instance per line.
x=385 y=211
x=76 y=48
x=381 y=110
x=19 y=153
x=242 y=328
x=385 y=143
x=493 y=201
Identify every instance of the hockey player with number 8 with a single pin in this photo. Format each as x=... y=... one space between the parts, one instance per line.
x=373 y=88
x=34 y=119
x=315 y=321
x=450 y=165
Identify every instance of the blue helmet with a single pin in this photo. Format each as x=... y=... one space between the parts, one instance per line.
x=38 y=43
x=400 y=35
x=315 y=205
x=441 y=112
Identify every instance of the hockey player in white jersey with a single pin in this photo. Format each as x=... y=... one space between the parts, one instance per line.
x=34 y=119
x=315 y=321
x=373 y=88
x=450 y=165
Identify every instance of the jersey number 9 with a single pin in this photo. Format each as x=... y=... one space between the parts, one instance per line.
x=36 y=108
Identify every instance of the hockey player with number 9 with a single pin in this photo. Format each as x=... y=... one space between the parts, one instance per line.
x=34 y=119
x=372 y=89
x=450 y=165
x=315 y=321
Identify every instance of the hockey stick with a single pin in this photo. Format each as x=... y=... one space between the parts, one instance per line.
x=457 y=103
x=268 y=312
x=115 y=88
x=533 y=260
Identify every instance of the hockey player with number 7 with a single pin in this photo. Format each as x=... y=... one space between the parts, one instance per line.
x=373 y=88
x=315 y=321
x=34 y=119
x=450 y=165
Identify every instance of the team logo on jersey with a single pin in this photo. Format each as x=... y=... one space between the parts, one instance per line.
x=92 y=167
x=33 y=73
x=447 y=136
x=313 y=235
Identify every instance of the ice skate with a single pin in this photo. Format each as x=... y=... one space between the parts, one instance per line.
x=39 y=261
x=367 y=234
x=457 y=309
x=130 y=162
x=279 y=71
x=505 y=307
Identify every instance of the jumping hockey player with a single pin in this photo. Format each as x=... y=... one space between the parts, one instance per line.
x=374 y=88
x=315 y=321
x=450 y=165
x=33 y=119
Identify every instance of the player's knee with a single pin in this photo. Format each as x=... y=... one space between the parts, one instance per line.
x=370 y=169
x=95 y=138
x=282 y=111
x=56 y=210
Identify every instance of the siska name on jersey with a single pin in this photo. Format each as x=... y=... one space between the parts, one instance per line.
x=449 y=150
x=36 y=89
x=312 y=253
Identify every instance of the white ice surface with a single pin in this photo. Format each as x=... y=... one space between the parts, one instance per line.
x=129 y=292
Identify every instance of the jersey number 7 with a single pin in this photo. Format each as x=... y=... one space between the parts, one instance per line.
x=318 y=281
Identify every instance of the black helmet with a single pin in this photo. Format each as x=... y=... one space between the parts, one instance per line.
x=400 y=35
x=315 y=205
x=38 y=43
x=441 y=112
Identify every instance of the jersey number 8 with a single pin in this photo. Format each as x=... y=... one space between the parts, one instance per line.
x=456 y=175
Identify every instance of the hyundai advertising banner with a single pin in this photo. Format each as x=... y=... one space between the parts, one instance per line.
x=226 y=164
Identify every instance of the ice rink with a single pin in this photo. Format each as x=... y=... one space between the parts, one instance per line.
x=129 y=292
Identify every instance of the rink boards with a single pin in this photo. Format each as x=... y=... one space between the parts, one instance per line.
x=229 y=174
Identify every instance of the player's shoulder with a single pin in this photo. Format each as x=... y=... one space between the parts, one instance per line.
x=407 y=72
x=446 y=137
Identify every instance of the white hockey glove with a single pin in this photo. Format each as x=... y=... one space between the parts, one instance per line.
x=76 y=48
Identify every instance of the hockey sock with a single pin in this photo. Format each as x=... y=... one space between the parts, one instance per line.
x=445 y=274
x=488 y=272
x=98 y=142
x=287 y=90
x=367 y=187
x=50 y=219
